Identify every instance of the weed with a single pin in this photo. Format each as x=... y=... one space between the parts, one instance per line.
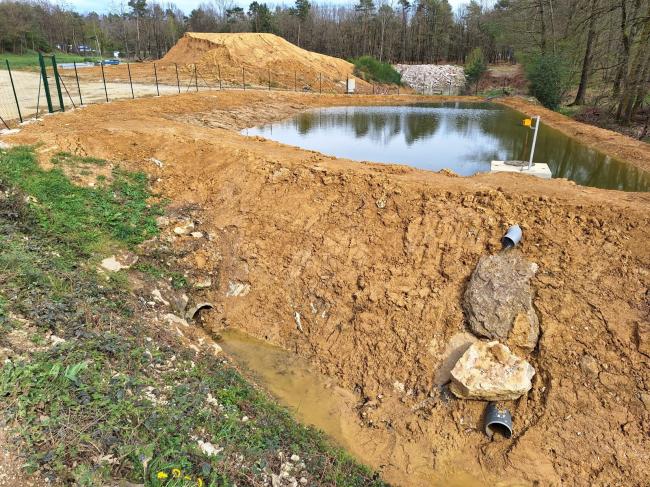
x=74 y=160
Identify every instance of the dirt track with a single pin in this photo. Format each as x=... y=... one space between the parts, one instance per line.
x=374 y=259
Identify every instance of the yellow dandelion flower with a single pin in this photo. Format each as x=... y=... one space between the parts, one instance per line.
x=176 y=473
x=199 y=482
x=187 y=477
x=162 y=475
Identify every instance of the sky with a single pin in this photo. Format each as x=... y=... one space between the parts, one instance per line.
x=85 y=6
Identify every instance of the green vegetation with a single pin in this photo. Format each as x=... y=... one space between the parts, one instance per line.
x=86 y=218
x=548 y=77
x=475 y=66
x=30 y=59
x=370 y=69
x=120 y=398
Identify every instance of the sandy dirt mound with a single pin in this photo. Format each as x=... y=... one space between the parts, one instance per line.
x=362 y=267
x=258 y=53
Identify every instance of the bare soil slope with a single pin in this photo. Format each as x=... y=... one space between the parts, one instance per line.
x=258 y=53
x=361 y=268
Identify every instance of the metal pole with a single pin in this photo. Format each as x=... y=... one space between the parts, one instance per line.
x=11 y=78
x=101 y=63
x=58 y=83
x=5 y=123
x=46 y=86
x=128 y=67
x=67 y=92
x=219 y=72
x=81 y=101
x=269 y=79
x=38 y=97
x=155 y=73
x=196 y=79
x=243 y=77
x=178 y=81
x=532 y=149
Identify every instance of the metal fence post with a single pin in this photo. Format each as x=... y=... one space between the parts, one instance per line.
x=196 y=79
x=128 y=68
x=243 y=77
x=101 y=63
x=178 y=81
x=58 y=83
x=76 y=74
x=46 y=86
x=4 y=123
x=11 y=78
x=155 y=73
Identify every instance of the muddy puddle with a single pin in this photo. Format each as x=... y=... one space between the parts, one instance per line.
x=464 y=137
x=314 y=399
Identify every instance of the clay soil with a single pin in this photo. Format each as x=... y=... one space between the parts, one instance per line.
x=360 y=268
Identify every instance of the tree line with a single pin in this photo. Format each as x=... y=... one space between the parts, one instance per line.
x=600 y=45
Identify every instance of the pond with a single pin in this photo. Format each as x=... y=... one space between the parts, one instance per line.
x=463 y=137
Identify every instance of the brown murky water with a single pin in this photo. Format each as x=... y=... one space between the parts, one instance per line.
x=316 y=400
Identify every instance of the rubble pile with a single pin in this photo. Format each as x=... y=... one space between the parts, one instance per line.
x=433 y=78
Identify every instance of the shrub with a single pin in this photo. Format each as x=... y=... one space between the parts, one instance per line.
x=475 y=66
x=370 y=69
x=548 y=76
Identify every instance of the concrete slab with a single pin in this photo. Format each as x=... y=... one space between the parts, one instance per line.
x=539 y=170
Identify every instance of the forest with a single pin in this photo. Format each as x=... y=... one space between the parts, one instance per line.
x=586 y=51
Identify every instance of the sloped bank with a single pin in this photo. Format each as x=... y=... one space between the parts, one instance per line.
x=361 y=268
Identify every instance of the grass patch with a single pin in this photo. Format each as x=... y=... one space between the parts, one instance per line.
x=370 y=69
x=76 y=161
x=120 y=399
x=85 y=218
x=30 y=59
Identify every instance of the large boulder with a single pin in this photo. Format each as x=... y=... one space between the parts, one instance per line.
x=499 y=297
x=489 y=371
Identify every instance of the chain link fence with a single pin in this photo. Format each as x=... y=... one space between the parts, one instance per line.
x=29 y=93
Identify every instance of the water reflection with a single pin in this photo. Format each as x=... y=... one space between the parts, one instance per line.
x=463 y=137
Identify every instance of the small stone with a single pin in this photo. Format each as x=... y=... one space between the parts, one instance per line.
x=295 y=458
x=183 y=229
x=162 y=221
x=303 y=481
x=645 y=399
x=172 y=319
x=203 y=283
x=491 y=372
x=643 y=338
x=197 y=234
x=238 y=289
x=115 y=264
x=589 y=366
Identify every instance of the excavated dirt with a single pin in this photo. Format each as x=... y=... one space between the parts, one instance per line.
x=361 y=268
x=262 y=55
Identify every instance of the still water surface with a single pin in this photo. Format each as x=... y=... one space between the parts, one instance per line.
x=463 y=137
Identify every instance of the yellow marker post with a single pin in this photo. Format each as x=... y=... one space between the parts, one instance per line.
x=527 y=122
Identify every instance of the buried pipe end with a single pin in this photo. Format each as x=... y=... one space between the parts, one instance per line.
x=497 y=421
x=195 y=311
x=512 y=237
